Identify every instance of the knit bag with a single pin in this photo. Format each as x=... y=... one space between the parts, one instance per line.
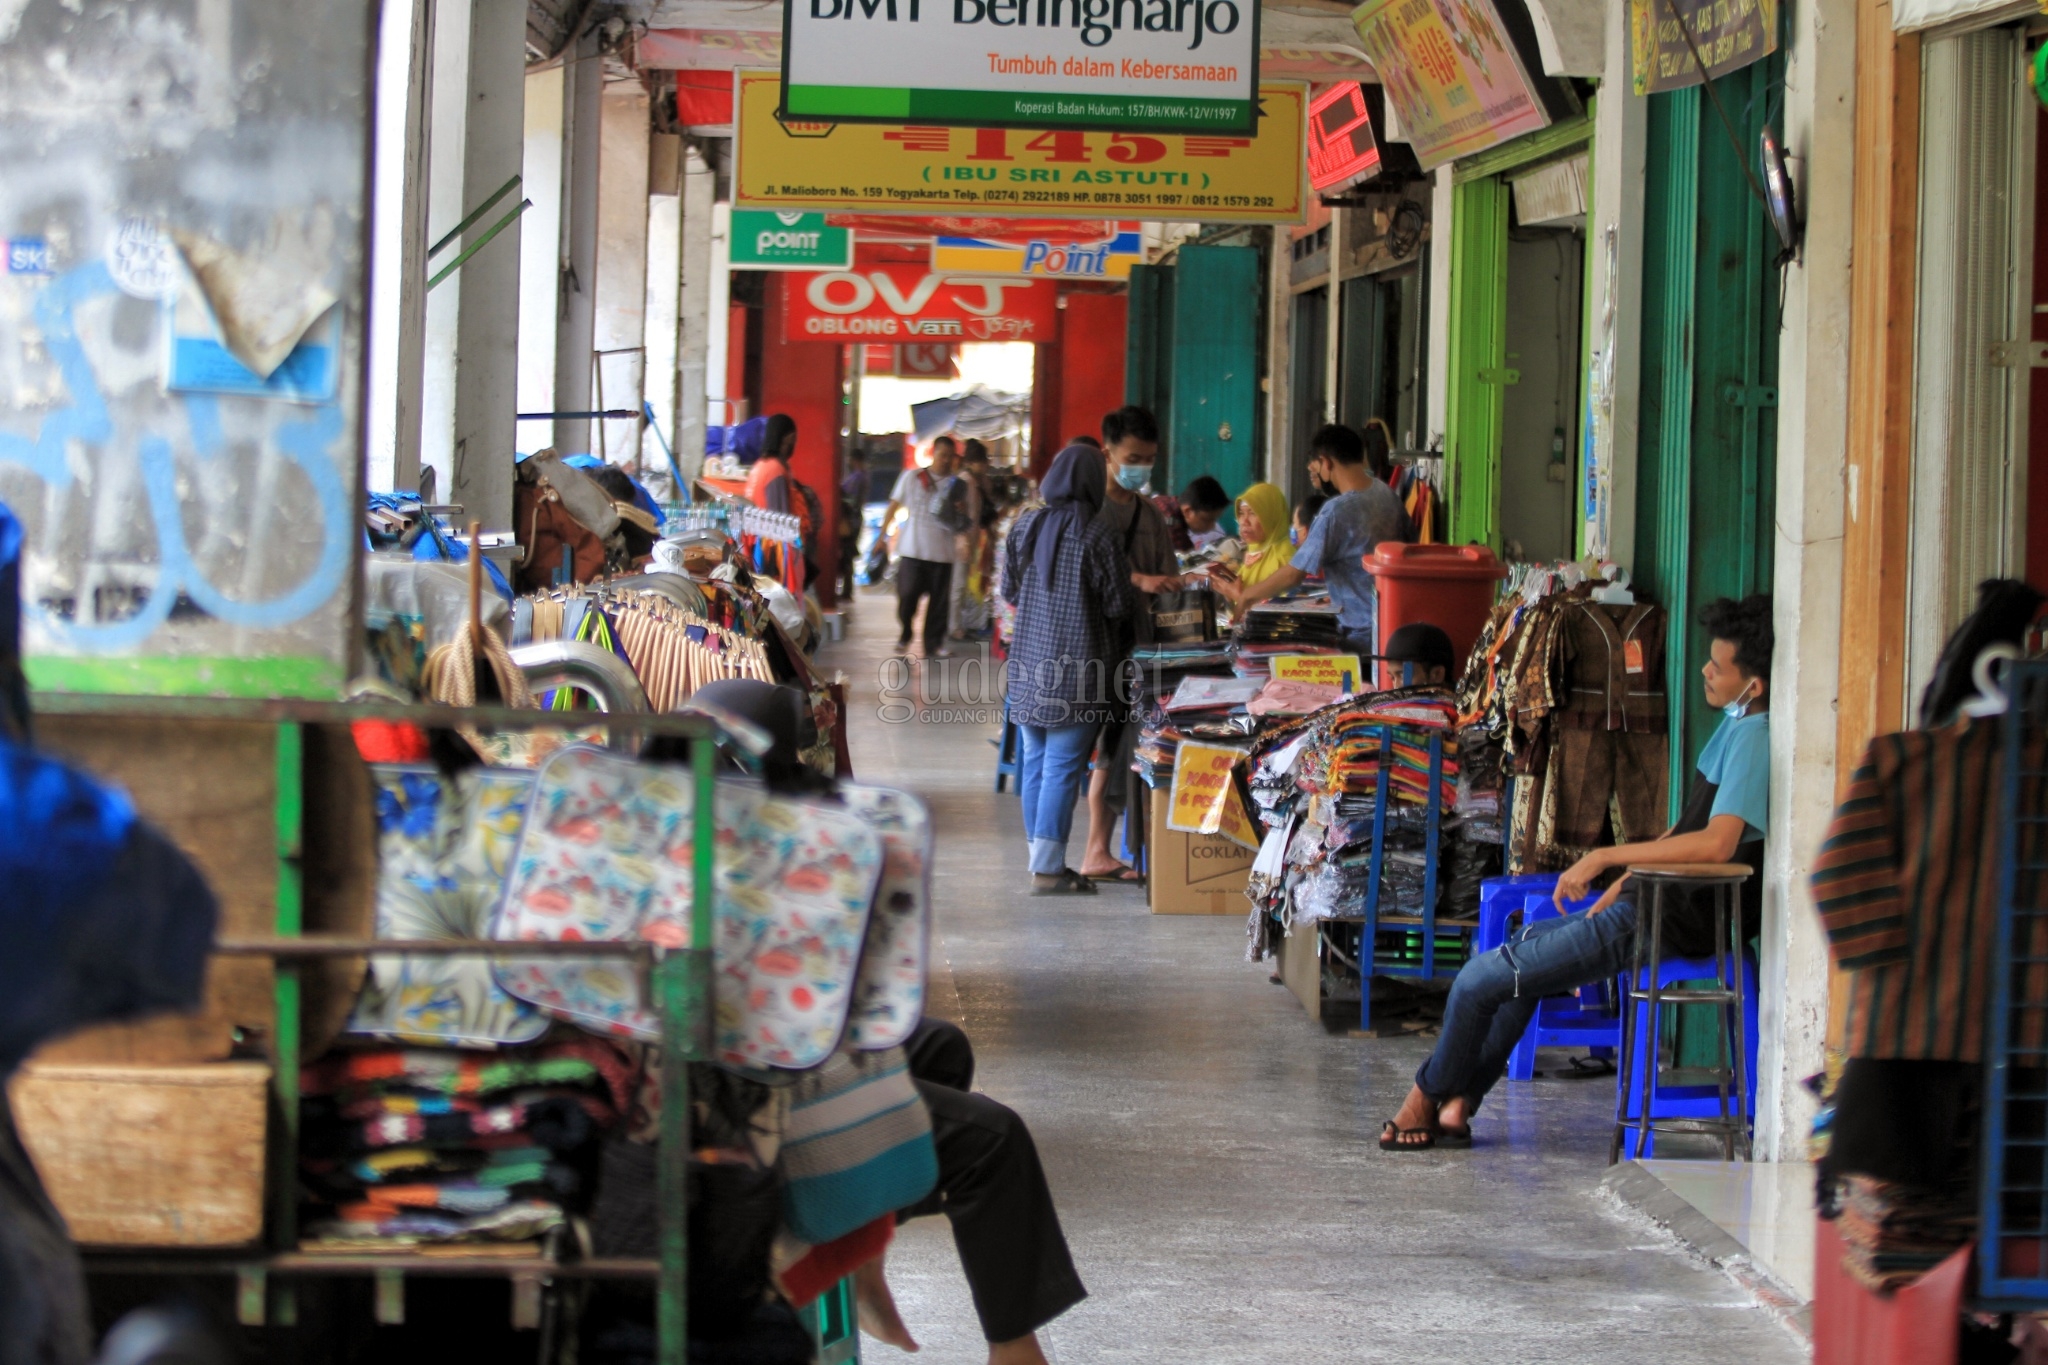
x=858 y=1144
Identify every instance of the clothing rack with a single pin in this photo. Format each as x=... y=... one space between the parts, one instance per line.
x=673 y=651
x=266 y=1276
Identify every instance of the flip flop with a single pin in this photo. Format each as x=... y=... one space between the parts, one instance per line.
x=1070 y=883
x=1129 y=876
x=1454 y=1139
x=1390 y=1138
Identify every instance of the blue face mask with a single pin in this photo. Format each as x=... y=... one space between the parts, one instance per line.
x=1133 y=476
x=1734 y=710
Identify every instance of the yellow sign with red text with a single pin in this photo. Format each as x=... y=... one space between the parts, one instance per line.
x=1204 y=799
x=1063 y=173
x=1336 y=670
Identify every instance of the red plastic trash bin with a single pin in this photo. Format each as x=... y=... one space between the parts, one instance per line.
x=1447 y=586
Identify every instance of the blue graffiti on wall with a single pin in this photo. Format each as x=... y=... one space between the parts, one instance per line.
x=307 y=443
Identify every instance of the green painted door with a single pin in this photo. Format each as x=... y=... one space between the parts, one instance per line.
x=1148 y=324
x=1213 y=416
x=1479 y=371
x=1707 y=459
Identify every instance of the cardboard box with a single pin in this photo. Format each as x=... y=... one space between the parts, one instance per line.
x=1194 y=874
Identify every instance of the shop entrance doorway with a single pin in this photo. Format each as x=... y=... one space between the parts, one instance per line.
x=1540 y=410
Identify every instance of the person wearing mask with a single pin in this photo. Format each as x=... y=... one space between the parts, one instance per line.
x=1130 y=442
x=924 y=551
x=1262 y=526
x=768 y=484
x=1067 y=577
x=1495 y=994
x=1361 y=513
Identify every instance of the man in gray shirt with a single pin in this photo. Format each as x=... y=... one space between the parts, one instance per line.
x=1362 y=513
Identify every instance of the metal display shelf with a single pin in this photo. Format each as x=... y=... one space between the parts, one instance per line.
x=681 y=980
x=1371 y=921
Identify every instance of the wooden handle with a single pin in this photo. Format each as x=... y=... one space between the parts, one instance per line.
x=476 y=584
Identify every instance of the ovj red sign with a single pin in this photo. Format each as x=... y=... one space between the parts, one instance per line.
x=906 y=303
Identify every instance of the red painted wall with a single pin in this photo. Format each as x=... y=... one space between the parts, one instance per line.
x=1092 y=336
x=802 y=378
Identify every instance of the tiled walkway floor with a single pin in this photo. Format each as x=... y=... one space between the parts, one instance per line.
x=1212 y=1151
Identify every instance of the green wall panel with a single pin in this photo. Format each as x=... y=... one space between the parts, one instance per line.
x=1478 y=359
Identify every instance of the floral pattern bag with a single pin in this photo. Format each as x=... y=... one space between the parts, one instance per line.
x=888 y=996
x=606 y=854
x=444 y=847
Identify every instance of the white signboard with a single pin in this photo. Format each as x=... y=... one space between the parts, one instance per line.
x=1158 y=65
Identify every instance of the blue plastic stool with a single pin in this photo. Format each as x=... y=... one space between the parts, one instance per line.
x=1564 y=1020
x=1009 y=752
x=1689 y=1101
x=1500 y=897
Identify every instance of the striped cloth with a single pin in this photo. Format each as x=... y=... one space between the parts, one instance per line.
x=1907 y=889
x=857 y=1145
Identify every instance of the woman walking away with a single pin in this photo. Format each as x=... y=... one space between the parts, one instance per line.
x=1067 y=578
x=1262 y=524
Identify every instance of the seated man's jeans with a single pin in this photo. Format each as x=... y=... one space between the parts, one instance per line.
x=1496 y=994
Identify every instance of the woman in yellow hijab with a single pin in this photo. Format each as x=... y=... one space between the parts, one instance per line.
x=1262 y=526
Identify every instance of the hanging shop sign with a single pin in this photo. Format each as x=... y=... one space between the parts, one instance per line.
x=1064 y=256
x=1341 y=147
x=906 y=303
x=1452 y=73
x=765 y=239
x=1725 y=34
x=1065 y=173
x=1164 y=65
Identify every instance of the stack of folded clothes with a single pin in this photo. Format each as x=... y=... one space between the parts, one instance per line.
x=1893 y=1234
x=1298 y=626
x=411 y=1146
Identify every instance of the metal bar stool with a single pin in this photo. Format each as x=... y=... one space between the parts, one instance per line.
x=1656 y=882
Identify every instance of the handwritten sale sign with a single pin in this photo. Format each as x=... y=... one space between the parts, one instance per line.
x=1204 y=800
x=1337 y=670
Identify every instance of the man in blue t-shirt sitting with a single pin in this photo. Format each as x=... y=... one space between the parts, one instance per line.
x=1724 y=820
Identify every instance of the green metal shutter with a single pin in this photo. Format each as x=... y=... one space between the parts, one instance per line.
x=1478 y=359
x=1213 y=427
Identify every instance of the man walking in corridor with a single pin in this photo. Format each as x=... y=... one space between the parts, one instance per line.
x=924 y=550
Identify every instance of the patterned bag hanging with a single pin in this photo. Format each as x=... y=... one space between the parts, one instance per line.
x=858 y=1144
x=888 y=995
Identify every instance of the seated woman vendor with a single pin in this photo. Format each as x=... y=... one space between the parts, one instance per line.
x=1725 y=816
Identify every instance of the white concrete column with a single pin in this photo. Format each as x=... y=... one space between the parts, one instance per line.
x=398 y=242
x=1813 y=429
x=663 y=308
x=705 y=297
x=487 y=333
x=576 y=310
x=449 y=103
x=540 y=260
x=1439 y=309
x=718 y=327
x=1279 y=354
x=1620 y=139
x=1333 y=319
x=621 y=321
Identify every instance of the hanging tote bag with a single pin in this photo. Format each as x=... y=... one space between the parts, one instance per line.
x=858 y=1144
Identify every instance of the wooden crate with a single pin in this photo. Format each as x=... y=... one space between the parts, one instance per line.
x=149 y=1156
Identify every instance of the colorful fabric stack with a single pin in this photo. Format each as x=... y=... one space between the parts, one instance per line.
x=410 y=1146
x=1353 y=736
x=1892 y=1234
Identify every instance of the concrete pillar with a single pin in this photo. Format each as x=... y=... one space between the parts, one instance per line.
x=540 y=253
x=1439 y=343
x=665 y=270
x=1620 y=139
x=487 y=332
x=576 y=313
x=1813 y=432
x=1279 y=355
x=704 y=301
x=621 y=321
x=449 y=104
x=718 y=328
x=398 y=232
x=1333 y=319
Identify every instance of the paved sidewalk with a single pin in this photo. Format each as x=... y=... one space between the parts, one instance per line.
x=1212 y=1151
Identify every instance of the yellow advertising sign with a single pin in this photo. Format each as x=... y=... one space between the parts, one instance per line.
x=1337 y=670
x=1452 y=72
x=1204 y=800
x=1063 y=173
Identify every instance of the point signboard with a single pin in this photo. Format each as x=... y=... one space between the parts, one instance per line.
x=765 y=239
